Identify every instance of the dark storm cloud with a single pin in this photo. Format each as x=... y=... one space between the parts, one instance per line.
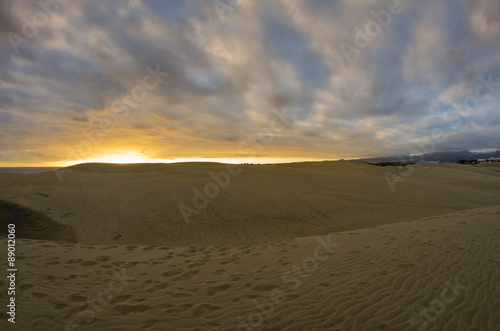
x=229 y=68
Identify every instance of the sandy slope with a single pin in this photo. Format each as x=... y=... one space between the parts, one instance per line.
x=139 y=204
x=378 y=278
x=258 y=256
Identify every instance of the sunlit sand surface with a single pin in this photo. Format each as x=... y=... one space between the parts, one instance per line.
x=304 y=246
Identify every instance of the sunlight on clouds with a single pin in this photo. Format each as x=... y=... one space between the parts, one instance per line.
x=224 y=75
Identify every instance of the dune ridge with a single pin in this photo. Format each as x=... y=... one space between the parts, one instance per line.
x=139 y=204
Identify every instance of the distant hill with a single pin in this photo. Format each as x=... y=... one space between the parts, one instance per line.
x=448 y=156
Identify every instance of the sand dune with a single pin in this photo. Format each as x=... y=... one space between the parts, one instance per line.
x=306 y=246
x=378 y=278
x=31 y=224
x=139 y=204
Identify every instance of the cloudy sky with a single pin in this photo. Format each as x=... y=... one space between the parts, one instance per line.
x=155 y=80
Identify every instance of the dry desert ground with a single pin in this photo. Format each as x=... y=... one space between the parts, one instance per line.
x=302 y=246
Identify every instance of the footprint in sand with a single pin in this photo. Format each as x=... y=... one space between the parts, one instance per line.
x=172 y=273
x=181 y=308
x=59 y=305
x=229 y=260
x=245 y=251
x=106 y=266
x=156 y=263
x=88 y=263
x=164 y=306
x=71 y=277
x=167 y=257
x=264 y=287
x=74 y=261
x=406 y=265
x=120 y=298
x=235 y=277
x=76 y=298
x=216 y=289
x=38 y=295
x=179 y=294
x=283 y=261
x=219 y=272
x=128 y=309
x=103 y=258
x=197 y=263
x=106 y=248
x=186 y=275
x=158 y=287
x=246 y=297
x=131 y=264
x=204 y=309
x=53 y=263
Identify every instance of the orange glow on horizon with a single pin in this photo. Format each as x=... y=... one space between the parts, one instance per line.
x=133 y=159
x=123 y=159
x=138 y=157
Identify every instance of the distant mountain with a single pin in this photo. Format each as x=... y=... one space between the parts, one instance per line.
x=437 y=156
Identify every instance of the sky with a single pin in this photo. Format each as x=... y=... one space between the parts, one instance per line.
x=246 y=81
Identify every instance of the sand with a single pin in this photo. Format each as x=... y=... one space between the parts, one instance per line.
x=306 y=246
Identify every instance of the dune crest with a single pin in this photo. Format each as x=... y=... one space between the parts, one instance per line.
x=137 y=204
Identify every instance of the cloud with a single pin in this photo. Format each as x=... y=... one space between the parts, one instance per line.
x=230 y=67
